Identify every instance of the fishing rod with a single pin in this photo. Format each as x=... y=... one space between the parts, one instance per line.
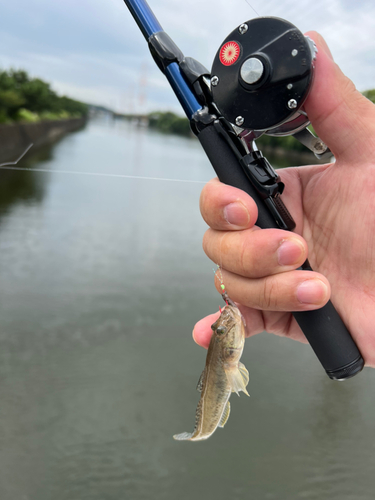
x=260 y=79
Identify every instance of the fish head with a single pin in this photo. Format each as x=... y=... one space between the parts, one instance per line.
x=229 y=330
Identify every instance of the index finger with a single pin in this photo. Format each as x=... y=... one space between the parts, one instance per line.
x=226 y=208
x=339 y=113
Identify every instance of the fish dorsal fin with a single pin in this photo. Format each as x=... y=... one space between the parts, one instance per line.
x=200 y=381
x=238 y=377
x=225 y=415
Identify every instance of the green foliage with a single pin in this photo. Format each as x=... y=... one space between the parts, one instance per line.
x=30 y=99
x=24 y=115
x=287 y=142
x=169 y=123
x=39 y=96
x=74 y=108
x=370 y=94
x=10 y=102
x=60 y=115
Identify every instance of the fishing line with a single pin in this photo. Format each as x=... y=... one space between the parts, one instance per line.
x=18 y=159
x=97 y=174
x=10 y=166
x=248 y=3
x=219 y=274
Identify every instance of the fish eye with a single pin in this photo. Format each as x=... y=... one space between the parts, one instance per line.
x=221 y=330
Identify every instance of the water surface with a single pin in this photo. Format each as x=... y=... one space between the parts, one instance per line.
x=101 y=282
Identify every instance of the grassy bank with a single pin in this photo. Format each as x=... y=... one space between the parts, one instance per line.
x=26 y=99
x=171 y=123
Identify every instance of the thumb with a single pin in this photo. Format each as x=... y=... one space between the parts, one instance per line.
x=341 y=116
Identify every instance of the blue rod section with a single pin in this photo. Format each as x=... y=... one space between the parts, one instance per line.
x=149 y=25
x=144 y=17
x=183 y=93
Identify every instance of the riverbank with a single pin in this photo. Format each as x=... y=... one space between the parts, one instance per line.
x=287 y=157
x=285 y=151
x=16 y=137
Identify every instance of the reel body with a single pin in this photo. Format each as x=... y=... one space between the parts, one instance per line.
x=261 y=76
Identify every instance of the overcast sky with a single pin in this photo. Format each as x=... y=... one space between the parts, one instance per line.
x=92 y=50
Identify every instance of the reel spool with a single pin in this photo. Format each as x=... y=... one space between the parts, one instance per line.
x=262 y=75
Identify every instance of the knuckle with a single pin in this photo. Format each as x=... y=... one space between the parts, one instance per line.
x=208 y=192
x=205 y=203
x=225 y=243
x=249 y=254
x=211 y=244
x=244 y=257
x=205 y=242
x=202 y=198
x=269 y=294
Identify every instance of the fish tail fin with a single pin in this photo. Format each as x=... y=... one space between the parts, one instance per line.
x=184 y=436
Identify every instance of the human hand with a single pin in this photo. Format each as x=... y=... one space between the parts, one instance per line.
x=333 y=206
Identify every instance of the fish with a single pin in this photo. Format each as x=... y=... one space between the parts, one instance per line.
x=222 y=375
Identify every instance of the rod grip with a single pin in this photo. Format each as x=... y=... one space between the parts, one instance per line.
x=323 y=328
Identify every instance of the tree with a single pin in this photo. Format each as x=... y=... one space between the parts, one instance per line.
x=21 y=95
x=370 y=94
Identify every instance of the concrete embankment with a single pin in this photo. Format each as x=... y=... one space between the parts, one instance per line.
x=15 y=138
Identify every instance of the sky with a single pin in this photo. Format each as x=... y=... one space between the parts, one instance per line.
x=92 y=50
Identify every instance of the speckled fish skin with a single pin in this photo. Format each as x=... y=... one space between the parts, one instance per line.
x=223 y=374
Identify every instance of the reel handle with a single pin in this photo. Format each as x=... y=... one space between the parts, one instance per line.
x=323 y=328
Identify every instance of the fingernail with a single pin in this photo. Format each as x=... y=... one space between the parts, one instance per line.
x=237 y=214
x=193 y=335
x=289 y=252
x=312 y=292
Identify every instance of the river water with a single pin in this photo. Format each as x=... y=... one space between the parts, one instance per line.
x=101 y=281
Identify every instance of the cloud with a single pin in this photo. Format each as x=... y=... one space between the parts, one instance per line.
x=93 y=50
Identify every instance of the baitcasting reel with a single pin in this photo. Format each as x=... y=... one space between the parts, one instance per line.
x=261 y=77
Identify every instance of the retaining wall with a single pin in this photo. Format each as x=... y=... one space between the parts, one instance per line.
x=15 y=138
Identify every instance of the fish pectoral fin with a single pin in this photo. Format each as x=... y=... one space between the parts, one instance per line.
x=200 y=381
x=184 y=436
x=244 y=372
x=238 y=379
x=225 y=415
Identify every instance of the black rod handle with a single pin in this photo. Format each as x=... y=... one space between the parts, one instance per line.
x=323 y=328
